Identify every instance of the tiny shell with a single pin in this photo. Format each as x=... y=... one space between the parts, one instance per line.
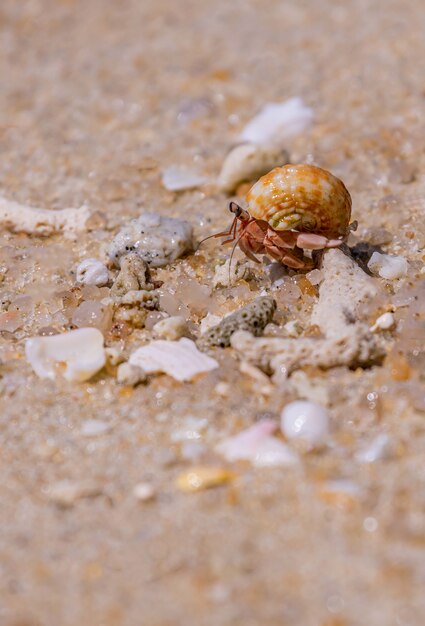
x=177 y=179
x=278 y=121
x=78 y=354
x=179 y=359
x=304 y=198
x=202 y=477
x=389 y=266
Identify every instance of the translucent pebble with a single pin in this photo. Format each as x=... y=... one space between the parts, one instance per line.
x=11 y=321
x=384 y=322
x=388 y=266
x=92 y=272
x=77 y=354
x=94 y=314
x=305 y=420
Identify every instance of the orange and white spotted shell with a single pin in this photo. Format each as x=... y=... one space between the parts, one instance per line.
x=302 y=197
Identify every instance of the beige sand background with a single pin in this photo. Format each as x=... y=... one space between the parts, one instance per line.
x=96 y=97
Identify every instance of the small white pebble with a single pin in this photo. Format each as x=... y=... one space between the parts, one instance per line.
x=91 y=428
x=92 y=272
x=315 y=277
x=144 y=492
x=128 y=374
x=388 y=266
x=305 y=420
x=384 y=322
x=293 y=328
x=65 y=492
x=170 y=328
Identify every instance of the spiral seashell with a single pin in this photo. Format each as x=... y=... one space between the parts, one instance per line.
x=301 y=197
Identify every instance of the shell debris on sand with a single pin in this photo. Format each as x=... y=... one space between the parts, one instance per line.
x=180 y=359
x=257 y=445
x=389 y=266
x=20 y=218
x=253 y=317
x=179 y=179
x=156 y=239
x=171 y=328
x=92 y=272
x=347 y=340
x=278 y=121
x=247 y=162
x=203 y=477
x=65 y=493
x=77 y=354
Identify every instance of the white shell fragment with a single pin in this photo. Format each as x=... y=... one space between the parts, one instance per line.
x=180 y=359
x=170 y=328
x=375 y=450
x=65 y=493
x=156 y=239
x=389 y=266
x=77 y=354
x=92 y=428
x=143 y=492
x=92 y=272
x=177 y=179
x=305 y=420
x=20 y=218
x=256 y=444
x=247 y=162
x=386 y=321
x=278 y=121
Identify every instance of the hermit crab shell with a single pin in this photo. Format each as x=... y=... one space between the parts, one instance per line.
x=305 y=198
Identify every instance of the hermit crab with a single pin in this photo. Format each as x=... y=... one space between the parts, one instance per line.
x=291 y=209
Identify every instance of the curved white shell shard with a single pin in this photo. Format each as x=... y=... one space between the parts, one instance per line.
x=180 y=359
x=257 y=445
x=177 y=179
x=77 y=354
x=247 y=162
x=278 y=121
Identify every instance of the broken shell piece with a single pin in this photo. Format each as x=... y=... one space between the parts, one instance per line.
x=92 y=272
x=157 y=240
x=389 y=266
x=178 y=179
x=254 y=318
x=179 y=359
x=255 y=444
x=384 y=322
x=278 y=121
x=92 y=428
x=305 y=420
x=202 y=477
x=77 y=354
x=247 y=162
x=26 y=219
x=65 y=493
x=170 y=328
x=143 y=492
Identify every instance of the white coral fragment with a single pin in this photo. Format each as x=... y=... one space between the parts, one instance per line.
x=177 y=179
x=389 y=266
x=278 y=121
x=180 y=359
x=347 y=340
x=20 y=218
x=77 y=354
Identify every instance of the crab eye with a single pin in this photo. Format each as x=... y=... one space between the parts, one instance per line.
x=235 y=209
